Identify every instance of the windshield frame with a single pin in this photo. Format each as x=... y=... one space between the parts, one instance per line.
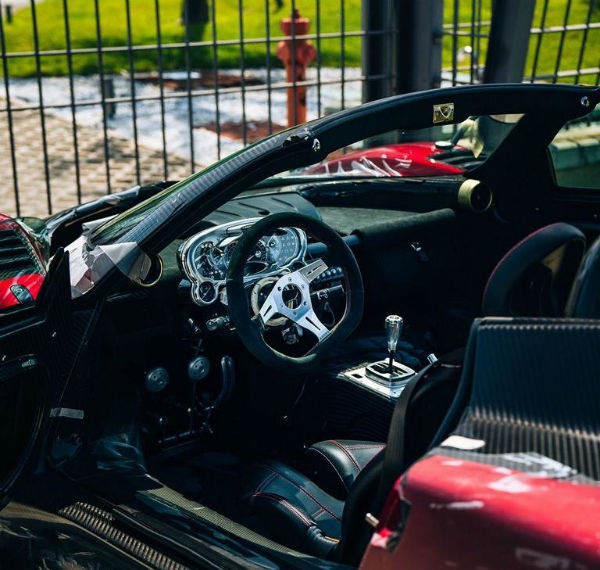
x=166 y=214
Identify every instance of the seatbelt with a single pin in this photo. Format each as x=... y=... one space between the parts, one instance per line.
x=393 y=459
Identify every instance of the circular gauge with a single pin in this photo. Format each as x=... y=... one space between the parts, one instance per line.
x=260 y=253
x=257 y=261
x=259 y=295
x=283 y=246
x=229 y=251
x=205 y=293
x=206 y=268
x=219 y=257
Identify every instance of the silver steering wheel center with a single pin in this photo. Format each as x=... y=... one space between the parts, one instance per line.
x=290 y=297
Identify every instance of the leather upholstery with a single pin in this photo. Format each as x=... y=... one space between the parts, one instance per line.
x=535 y=276
x=293 y=509
x=584 y=301
x=335 y=464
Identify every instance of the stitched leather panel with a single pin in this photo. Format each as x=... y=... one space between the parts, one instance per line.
x=335 y=464
x=295 y=511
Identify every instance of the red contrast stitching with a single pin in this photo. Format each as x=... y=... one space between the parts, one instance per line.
x=335 y=469
x=286 y=504
x=301 y=489
x=264 y=484
x=348 y=454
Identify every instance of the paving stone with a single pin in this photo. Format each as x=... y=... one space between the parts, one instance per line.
x=31 y=178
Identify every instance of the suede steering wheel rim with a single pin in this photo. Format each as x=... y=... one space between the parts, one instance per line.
x=250 y=329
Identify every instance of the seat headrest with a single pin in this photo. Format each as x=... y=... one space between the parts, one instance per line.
x=535 y=276
x=584 y=300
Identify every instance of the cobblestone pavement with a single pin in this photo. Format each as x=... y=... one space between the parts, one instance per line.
x=61 y=163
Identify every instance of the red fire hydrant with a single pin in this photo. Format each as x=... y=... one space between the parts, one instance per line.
x=296 y=54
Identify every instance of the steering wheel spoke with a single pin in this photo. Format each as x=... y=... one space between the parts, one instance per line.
x=297 y=307
x=312 y=323
x=269 y=308
x=312 y=270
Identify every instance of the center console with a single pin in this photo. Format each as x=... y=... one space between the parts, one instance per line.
x=386 y=378
x=360 y=399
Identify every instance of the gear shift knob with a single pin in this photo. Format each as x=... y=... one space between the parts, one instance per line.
x=393 y=329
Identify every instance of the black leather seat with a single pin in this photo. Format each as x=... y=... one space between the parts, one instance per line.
x=584 y=300
x=311 y=517
x=535 y=276
x=335 y=464
x=294 y=510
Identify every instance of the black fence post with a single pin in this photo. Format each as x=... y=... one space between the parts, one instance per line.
x=107 y=87
x=378 y=55
x=419 y=44
x=195 y=11
x=509 y=40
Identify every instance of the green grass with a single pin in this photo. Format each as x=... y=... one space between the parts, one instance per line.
x=51 y=28
x=113 y=32
x=549 y=46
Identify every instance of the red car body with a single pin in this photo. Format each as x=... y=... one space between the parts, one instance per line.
x=28 y=280
x=485 y=516
x=413 y=159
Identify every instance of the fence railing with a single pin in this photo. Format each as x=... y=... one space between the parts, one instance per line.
x=100 y=95
x=562 y=45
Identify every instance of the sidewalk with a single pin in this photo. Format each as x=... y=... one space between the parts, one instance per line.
x=61 y=163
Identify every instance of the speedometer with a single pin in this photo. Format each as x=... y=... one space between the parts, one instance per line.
x=283 y=246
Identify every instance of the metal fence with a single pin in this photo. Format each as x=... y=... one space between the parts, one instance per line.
x=544 y=40
x=98 y=96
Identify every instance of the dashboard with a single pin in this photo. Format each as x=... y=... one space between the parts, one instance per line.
x=204 y=258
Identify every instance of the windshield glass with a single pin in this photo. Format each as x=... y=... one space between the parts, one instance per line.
x=435 y=151
x=448 y=149
x=118 y=226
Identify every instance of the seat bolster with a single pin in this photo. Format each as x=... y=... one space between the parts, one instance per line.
x=335 y=464
x=294 y=510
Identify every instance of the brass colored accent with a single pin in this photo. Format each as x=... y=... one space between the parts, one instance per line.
x=465 y=195
x=159 y=275
x=443 y=113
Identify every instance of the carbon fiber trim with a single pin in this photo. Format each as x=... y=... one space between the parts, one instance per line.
x=534 y=390
x=101 y=523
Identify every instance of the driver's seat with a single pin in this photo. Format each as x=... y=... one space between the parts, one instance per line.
x=295 y=511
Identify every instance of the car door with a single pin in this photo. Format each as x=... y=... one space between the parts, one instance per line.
x=34 y=336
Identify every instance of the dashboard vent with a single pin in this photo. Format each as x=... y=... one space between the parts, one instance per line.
x=15 y=255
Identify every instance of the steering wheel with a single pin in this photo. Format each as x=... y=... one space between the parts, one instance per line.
x=251 y=328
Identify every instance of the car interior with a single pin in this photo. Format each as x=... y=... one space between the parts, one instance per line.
x=213 y=395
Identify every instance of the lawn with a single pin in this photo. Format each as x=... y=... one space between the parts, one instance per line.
x=113 y=33
x=549 y=45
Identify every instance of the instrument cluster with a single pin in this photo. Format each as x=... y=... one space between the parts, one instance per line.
x=205 y=257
